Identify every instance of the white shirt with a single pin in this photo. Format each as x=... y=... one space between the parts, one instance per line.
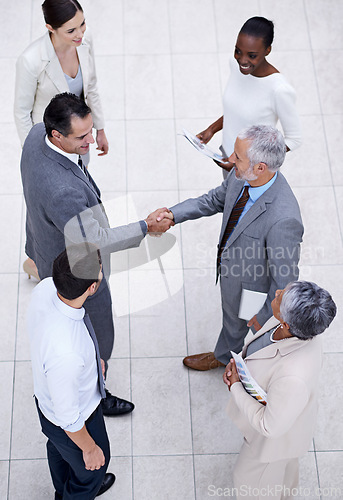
x=63 y=359
x=249 y=100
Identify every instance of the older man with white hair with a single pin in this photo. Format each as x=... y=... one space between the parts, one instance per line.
x=260 y=238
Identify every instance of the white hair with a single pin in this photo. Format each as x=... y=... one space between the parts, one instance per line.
x=267 y=145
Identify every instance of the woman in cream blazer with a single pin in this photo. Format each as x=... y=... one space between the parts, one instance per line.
x=39 y=75
x=284 y=357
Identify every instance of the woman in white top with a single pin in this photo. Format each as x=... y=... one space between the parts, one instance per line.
x=256 y=92
x=62 y=60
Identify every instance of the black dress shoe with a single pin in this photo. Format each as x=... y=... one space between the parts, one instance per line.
x=107 y=483
x=111 y=405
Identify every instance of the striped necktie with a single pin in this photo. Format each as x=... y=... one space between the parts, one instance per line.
x=91 y=332
x=231 y=223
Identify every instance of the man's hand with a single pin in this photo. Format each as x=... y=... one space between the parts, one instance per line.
x=102 y=142
x=160 y=221
x=94 y=458
x=253 y=322
x=230 y=375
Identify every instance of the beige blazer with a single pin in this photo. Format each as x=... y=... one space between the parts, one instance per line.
x=39 y=77
x=288 y=371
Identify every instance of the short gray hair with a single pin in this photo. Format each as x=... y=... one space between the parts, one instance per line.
x=267 y=145
x=307 y=308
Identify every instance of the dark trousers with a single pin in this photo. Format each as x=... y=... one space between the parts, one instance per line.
x=99 y=308
x=69 y=476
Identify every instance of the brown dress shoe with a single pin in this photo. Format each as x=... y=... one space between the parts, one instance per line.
x=202 y=362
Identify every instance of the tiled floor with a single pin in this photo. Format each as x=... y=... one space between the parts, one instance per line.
x=162 y=66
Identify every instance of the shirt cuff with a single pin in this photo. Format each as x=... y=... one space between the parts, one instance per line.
x=144 y=226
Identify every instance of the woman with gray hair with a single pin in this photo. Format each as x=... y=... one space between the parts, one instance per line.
x=284 y=357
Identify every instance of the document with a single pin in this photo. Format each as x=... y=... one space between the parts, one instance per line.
x=248 y=382
x=200 y=146
x=251 y=303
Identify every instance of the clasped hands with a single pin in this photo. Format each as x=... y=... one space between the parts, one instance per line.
x=160 y=221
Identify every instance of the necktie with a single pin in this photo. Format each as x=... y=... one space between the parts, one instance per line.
x=91 y=331
x=231 y=223
x=83 y=168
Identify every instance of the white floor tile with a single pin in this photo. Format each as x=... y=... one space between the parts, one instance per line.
x=151 y=155
x=229 y=21
x=8 y=316
x=192 y=33
x=323 y=27
x=148 y=87
x=146 y=27
x=333 y=129
x=106 y=23
x=4 y=467
x=10 y=165
x=10 y=227
x=331 y=94
x=196 y=88
x=110 y=73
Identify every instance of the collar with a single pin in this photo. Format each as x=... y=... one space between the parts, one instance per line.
x=70 y=312
x=256 y=192
x=71 y=156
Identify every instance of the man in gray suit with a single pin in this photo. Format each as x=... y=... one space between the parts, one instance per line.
x=260 y=238
x=58 y=189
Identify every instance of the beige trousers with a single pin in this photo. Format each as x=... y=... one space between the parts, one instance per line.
x=254 y=480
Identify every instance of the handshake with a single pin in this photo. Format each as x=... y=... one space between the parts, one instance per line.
x=160 y=221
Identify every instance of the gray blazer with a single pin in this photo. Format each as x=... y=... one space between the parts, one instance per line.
x=56 y=191
x=262 y=253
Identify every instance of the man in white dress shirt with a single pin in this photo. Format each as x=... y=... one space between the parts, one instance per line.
x=68 y=375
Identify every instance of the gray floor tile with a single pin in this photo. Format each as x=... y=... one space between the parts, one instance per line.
x=329 y=466
x=203 y=310
x=119 y=428
x=159 y=330
x=4 y=467
x=168 y=477
x=26 y=445
x=6 y=371
x=212 y=429
x=122 y=488
x=161 y=420
x=8 y=316
x=30 y=479
x=333 y=130
x=329 y=431
x=213 y=475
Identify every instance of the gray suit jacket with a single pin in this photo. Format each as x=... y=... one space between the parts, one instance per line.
x=262 y=253
x=56 y=193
